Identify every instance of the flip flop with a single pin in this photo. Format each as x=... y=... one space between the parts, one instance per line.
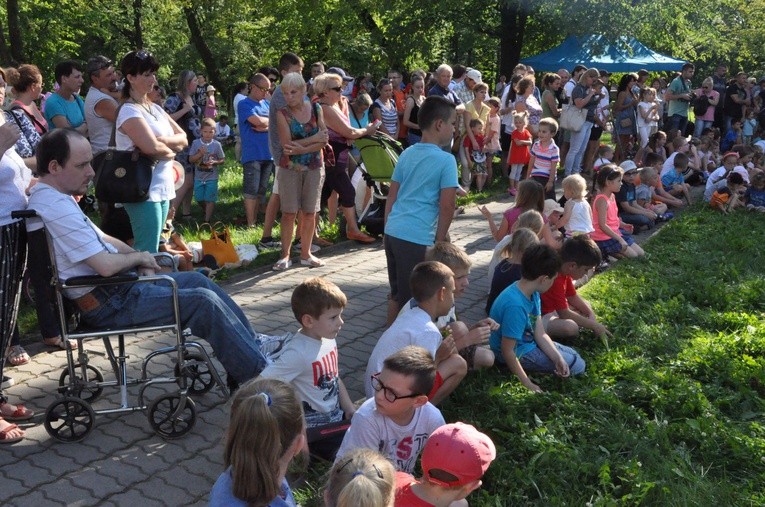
x=312 y=262
x=4 y=439
x=282 y=265
x=59 y=342
x=20 y=414
x=17 y=356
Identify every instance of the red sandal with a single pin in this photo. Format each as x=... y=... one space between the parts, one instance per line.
x=5 y=439
x=20 y=414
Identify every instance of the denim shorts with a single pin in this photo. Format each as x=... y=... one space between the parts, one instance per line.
x=206 y=191
x=612 y=246
x=255 y=177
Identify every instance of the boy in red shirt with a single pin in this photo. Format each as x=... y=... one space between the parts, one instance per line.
x=563 y=310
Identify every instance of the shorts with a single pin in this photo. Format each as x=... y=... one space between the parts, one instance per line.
x=479 y=168
x=255 y=177
x=275 y=189
x=436 y=385
x=336 y=178
x=300 y=189
x=612 y=246
x=401 y=256
x=206 y=191
x=596 y=132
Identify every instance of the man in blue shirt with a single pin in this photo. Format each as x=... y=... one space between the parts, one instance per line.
x=257 y=162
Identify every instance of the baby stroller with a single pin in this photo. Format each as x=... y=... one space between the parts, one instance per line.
x=375 y=157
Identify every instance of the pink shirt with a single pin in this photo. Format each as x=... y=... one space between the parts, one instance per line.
x=612 y=218
x=710 y=114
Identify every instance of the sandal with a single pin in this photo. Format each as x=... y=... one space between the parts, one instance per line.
x=5 y=439
x=17 y=355
x=312 y=262
x=20 y=414
x=59 y=342
x=282 y=264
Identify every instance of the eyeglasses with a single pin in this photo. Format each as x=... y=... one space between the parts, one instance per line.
x=272 y=79
x=264 y=90
x=377 y=385
x=338 y=89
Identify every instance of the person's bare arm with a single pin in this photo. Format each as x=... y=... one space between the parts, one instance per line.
x=110 y=264
x=446 y=205
x=345 y=400
x=408 y=106
x=259 y=123
x=139 y=132
x=337 y=123
x=545 y=343
x=106 y=109
x=552 y=105
x=508 y=354
x=178 y=140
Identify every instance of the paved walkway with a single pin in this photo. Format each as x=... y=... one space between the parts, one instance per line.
x=122 y=462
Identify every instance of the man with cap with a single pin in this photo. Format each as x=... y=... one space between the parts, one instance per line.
x=101 y=102
x=626 y=200
x=455 y=458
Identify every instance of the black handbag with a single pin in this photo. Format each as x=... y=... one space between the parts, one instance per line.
x=122 y=176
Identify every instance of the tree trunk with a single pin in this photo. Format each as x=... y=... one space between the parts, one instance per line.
x=513 y=16
x=14 y=33
x=137 y=23
x=195 y=34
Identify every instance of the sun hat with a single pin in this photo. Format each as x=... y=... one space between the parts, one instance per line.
x=179 y=174
x=340 y=72
x=459 y=450
x=551 y=206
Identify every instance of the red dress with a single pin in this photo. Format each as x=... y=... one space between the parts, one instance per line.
x=519 y=154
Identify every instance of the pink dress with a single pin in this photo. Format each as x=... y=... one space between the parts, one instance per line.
x=211 y=110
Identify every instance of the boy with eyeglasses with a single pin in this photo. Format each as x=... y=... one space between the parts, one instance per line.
x=398 y=419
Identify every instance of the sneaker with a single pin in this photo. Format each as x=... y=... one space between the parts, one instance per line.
x=7 y=382
x=297 y=247
x=666 y=216
x=269 y=242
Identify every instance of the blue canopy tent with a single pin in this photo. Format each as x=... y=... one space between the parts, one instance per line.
x=625 y=54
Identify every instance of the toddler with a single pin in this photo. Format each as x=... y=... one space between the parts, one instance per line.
x=492 y=136
x=476 y=158
x=749 y=127
x=544 y=157
x=577 y=214
x=645 y=194
x=648 y=115
x=520 y=140
x=730 y=196
x=207 y=154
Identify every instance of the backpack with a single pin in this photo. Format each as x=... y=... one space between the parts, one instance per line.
x=701 y=105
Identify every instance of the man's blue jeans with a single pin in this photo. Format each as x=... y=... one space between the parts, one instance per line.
x=205 y=308
x=679 y=122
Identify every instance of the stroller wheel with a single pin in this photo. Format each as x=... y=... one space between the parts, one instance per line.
x=86 y=389
x=199 y=379
x=69 y=419
x=172 y=416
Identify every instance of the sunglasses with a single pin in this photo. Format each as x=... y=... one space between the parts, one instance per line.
x=337 y=89
x=272 y=79
x=143 y=55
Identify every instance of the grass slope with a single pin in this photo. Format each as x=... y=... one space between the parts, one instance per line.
x=673 y=413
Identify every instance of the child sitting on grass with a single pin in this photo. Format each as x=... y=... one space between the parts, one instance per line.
x=717 y=178
x=432 y=286
x=398 y=419
x=530 y=219
x=674 y=181
x=363 y=478
x=206 y=154
x=308 y=358
x=626 y=198
x=454 y=459
x=611 y=234
x=171 y=242
x=508 y=271
x=731 y=196
x=577 y=214
x=521 y=342
x=652 y=179
x=646 y=194
x=755 y=194
x=531 y=196
x=563 y=310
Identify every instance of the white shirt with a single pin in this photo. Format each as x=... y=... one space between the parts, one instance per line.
x=414 y=327
x=162 y=186
x=14 y=180
x=99 y=128
x=237 y=99
x=400 y=444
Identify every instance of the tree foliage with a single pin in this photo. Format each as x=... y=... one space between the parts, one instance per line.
x=228 y=39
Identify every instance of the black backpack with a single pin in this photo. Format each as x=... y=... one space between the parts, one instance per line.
x=700 y=105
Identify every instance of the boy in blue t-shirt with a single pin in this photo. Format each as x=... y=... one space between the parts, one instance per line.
x=206 y=154
x=674 y=181
x=421 y=200
x=521 y=342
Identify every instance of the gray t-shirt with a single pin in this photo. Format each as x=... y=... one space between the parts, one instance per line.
x=99 y=128
x=214 y=151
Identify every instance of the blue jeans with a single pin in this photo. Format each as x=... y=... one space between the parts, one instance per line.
x=537 y=361
x=679 y=122
x=636 y=220
x=701 y=125
x=205 y=308
x=575 y=154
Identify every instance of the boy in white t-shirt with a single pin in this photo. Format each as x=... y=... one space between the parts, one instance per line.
x=398 y=419
x=432 y=285
x=308 y=358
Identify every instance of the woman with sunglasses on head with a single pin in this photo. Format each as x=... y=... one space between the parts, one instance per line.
x=182 y=108
x=145 y=125
x=328 y=89
x=707 y=119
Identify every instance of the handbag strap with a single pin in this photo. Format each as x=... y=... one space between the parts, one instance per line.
x=112 y=139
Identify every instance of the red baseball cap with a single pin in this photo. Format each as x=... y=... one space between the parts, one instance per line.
x=459 y=450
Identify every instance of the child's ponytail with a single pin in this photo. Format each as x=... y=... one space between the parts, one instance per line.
x=362 y=478
x=266 y=418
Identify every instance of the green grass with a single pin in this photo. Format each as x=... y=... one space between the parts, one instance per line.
x=673 y=414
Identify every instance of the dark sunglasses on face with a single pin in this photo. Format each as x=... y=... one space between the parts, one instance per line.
x=337 y=89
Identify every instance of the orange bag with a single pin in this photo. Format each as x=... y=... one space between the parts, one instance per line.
x=220 y=245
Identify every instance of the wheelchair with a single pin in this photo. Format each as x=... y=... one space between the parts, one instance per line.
x=71 y=417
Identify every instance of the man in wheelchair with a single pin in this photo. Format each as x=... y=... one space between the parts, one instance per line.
x=81 y=249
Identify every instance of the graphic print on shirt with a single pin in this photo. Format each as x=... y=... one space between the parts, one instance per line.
x=325 y=375
x=404 y=451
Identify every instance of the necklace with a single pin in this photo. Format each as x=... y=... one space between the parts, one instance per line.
x=143 y=106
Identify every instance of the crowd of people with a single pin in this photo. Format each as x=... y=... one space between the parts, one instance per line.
x=299 y=134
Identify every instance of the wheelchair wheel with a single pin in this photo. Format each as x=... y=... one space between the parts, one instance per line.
x=197 y=372
x=69 y=419
x=85 y=390
x=164 y=423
